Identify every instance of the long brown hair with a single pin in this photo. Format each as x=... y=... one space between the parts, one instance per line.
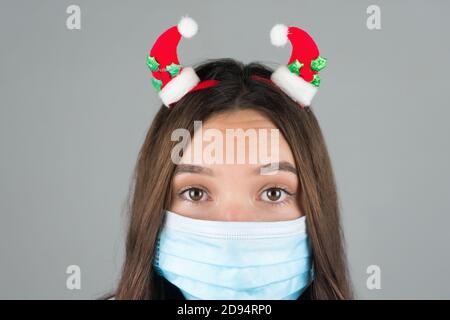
x=151 y=185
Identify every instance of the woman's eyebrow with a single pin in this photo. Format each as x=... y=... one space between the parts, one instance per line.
x=277 y=166
x=190 y=168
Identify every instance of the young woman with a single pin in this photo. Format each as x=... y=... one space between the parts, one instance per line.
x=212 y=230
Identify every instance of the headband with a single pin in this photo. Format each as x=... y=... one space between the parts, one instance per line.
x=299 y=79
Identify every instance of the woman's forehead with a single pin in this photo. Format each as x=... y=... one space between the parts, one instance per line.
x=239 y=137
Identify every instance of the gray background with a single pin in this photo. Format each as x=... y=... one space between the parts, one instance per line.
x=76 y=104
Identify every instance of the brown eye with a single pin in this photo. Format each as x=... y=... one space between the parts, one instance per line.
x=193 y=194
x=274 y=195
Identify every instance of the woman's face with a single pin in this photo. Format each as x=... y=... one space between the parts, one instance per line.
x=231 y=190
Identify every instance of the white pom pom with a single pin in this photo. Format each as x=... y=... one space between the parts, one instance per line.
x=187 y=27
x=278 y=35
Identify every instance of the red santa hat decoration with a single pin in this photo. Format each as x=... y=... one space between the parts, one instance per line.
x=299 y=79
x=170 y=79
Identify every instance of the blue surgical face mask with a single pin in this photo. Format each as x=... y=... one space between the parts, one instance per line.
x=212 y=260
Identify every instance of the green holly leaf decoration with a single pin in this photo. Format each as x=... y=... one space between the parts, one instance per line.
x=173 y=69
x=152 y=64
x=295 y=66
x=157 y=84
x=316 y=80
x=319 y=63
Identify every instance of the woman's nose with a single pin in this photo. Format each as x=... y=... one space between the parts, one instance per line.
x=235 y=208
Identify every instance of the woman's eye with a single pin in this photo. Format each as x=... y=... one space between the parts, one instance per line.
x=194 y=194
x=274 y=195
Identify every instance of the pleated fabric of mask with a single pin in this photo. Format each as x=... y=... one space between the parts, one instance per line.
x=235 y=260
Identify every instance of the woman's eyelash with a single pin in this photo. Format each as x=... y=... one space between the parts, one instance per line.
x=285 y=201
x=289 y=196
x=183 y=191
x=284 y=189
